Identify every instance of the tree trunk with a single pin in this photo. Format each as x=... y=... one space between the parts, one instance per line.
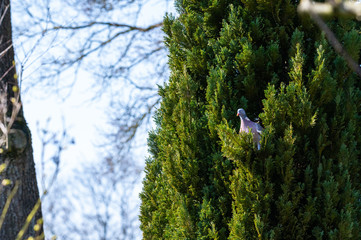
x=16 y=148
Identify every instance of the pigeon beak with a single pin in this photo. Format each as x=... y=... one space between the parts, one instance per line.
x=237 y=114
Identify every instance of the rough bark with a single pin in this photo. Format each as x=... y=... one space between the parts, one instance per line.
x=19 y=153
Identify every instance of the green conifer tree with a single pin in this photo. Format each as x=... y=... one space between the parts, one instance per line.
x=206 y=181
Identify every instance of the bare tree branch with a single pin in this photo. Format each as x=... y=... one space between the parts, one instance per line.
x=317 y=9
x=92 y=37
x=340 y=8
x=109 y=24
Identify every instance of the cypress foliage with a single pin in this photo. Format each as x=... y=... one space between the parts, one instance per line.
x=206 y=181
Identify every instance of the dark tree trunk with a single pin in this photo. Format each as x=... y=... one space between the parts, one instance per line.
x=17 y=151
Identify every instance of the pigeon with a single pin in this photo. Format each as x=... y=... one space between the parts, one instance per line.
x=247 y=125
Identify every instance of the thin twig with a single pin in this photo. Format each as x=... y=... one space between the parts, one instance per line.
x=3 y=16
x=5 y=51
x=6 y=73
x=8 y=201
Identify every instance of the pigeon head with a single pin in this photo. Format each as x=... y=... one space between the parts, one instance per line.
x=241 y=113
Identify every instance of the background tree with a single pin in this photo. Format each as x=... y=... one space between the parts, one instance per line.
x=19 y=193
x=109 y=49
x=203 y=180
